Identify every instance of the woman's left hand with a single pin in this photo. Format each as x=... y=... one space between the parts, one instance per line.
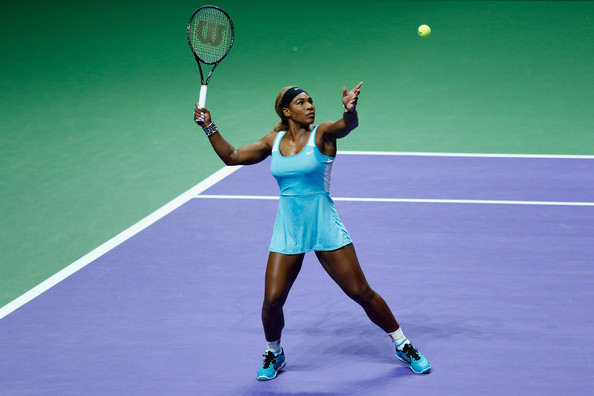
x=349 y=99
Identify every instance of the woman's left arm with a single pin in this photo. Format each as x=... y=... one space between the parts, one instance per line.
x=348 y=122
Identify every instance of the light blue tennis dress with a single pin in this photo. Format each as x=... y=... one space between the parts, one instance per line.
x=307 y=219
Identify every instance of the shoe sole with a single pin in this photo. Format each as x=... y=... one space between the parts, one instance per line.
x=425 y=371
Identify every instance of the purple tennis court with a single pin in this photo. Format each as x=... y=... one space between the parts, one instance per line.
x=486 y=262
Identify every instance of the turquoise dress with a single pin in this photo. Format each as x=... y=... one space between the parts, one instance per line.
x=307 y=219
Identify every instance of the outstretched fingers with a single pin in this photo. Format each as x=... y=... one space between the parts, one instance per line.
x=349 y=99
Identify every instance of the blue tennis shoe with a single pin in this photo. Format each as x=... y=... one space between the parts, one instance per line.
x=411 y=356
x=273 y=364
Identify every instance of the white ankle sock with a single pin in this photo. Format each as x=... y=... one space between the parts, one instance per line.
x=399 y=339
x=273 y=346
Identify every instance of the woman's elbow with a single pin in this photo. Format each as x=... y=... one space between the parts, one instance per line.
x=229 y=159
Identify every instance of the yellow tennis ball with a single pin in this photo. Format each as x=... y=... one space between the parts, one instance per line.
x=424 y=30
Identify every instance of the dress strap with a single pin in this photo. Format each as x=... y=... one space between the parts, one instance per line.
x=277 y=139
x=311 y=142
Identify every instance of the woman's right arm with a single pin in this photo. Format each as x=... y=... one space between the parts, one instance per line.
x=245 y=155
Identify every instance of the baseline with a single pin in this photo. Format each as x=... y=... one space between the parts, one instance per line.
x=477 y=155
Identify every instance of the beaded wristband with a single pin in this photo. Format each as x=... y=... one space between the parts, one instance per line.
x=210 y=130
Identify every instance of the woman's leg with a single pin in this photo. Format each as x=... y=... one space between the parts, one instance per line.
x=343 y=267
x=281 y=272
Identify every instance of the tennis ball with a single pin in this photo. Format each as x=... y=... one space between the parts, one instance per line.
x=424 y=30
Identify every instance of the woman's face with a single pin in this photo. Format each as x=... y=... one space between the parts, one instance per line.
x=301 y=109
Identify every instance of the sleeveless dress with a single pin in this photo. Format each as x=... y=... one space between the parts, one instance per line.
x=307 y=219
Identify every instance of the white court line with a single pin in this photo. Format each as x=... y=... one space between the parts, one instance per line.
x=117 y=240
x=410 y=200
x=477 y=155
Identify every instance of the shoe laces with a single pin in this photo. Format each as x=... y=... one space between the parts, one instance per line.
x=411 y=352
x=269 y=357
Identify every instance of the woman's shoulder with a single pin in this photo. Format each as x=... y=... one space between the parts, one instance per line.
x=324 y=126
x=269 y=138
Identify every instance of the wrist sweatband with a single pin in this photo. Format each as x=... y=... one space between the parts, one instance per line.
x=210 y=130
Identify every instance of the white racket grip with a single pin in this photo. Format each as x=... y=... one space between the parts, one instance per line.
x=202 y=100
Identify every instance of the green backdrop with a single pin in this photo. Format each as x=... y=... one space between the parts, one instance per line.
x=96 y=129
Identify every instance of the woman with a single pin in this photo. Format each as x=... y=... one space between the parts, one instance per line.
x=302 y=156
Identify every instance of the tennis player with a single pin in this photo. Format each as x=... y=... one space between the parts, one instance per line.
x=307 y=220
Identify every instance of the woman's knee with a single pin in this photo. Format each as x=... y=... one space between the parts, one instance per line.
x=273 y=301
x=362 y=294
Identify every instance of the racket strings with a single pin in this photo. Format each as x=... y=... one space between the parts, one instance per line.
x=210 y=34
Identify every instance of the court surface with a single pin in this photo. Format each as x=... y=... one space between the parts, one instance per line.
x=485 y=260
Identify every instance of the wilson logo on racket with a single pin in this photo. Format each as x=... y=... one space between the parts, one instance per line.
x=210 y=33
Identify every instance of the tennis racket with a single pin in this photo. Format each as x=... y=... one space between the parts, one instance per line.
x=210 y=35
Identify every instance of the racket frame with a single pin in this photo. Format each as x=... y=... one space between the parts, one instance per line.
x=204 y=83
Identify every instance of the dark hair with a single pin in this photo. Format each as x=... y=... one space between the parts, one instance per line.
x=283 y=125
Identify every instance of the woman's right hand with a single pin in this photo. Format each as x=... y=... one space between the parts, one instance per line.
x=202 y=116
